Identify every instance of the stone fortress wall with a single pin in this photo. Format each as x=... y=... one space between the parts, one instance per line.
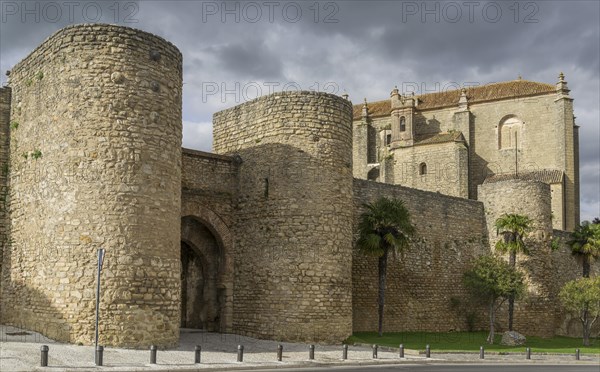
x=256 y=239
x=450 y=233
x=96 y=162
x=5 y=94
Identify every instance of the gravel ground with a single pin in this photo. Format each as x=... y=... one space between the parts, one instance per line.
x=20 y=351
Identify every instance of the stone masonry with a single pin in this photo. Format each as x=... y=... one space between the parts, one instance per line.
x=258 y=237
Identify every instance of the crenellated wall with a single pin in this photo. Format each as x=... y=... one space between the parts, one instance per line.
x=96 y=163
x=293 y=220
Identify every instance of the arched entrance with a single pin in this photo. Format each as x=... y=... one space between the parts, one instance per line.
x=202 y=296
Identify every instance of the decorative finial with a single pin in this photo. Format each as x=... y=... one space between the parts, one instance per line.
x=561 y=77
x=365 y=101
x=519 y=77
x=463 y=91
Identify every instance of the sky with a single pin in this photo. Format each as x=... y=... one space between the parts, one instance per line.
x=235 y=51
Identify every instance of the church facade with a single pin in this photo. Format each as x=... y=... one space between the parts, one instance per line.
x=451 y=142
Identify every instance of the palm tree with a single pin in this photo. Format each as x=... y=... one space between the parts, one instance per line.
x=585 y=243
x=383 y=228
x=513 y=228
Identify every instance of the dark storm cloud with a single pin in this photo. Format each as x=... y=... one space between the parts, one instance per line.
x=251 y=58
x=365 y=48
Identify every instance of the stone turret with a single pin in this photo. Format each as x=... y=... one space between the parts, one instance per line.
x=294 y=215
x=96 y=163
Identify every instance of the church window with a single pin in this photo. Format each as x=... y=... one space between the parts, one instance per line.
x=388 y=139
x=402 y=124
x=509 y=133
x=422 y=169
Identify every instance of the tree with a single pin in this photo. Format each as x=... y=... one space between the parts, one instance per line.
x=513 y=228
x=596 y=220
x=492 y=279
x=585 y=244
x=384 y=228
x=582 y=296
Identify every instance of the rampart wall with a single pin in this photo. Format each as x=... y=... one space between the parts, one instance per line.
x=421 y=283
x=5 y=94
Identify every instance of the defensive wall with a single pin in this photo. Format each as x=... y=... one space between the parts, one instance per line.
x=256 y=239
x=450 y=233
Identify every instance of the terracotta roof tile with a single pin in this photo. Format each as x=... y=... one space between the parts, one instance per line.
x=548 y=176
x=482 y=93
x=439 y=138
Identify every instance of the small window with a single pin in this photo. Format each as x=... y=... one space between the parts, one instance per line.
x=402 y=124
x=388 y=139
x=422 y=169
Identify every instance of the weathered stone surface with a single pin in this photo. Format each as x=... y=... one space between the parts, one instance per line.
x=90 y=169
x=513 y=338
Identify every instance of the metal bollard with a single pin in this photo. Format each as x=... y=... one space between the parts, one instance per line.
x=345 y=352
x=99 y=355
x=153 y=349
x=401 y=351
x=528 y=353
x=576 y=354
x=279 y=352
x=427 y=351
x=197 y=354
x=311 y=352
x=481 y=352
x=44 y=351
x=240 y=355
x=374 y=351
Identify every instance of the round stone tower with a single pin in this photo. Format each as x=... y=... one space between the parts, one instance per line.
x=96 y=163
x=534 y=314
x=294 y=215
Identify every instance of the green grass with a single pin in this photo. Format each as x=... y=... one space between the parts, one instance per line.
x=470 y=341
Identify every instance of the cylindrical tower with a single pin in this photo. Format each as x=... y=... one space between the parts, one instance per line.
x=293 y=254
x=534 y=314
x=96 y=163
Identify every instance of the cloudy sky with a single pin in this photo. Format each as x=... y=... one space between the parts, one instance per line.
x=236 y=50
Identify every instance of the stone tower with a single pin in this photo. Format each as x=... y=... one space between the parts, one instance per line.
x=294 y=215
x=530 y=198
x=95 y=145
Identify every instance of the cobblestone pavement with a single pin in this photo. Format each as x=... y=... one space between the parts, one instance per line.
x=20 y=351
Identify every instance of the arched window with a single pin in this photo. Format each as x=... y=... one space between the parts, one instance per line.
x=402 y=124
x=509 y=133
x=422 y=169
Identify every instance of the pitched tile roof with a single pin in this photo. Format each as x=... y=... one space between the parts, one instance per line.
x=548 y=176
x=439 y=138
x=481 y=93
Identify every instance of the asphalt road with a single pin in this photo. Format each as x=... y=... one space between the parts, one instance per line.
x=449 y=368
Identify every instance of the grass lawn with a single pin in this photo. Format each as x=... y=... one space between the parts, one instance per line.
x=470 y=341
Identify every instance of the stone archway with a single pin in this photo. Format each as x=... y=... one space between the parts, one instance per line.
x=207 y=249
x=201 y=263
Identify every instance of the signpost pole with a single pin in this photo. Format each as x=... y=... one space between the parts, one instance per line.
x=100 y=262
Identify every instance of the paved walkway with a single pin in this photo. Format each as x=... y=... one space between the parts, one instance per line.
x=20 y=351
